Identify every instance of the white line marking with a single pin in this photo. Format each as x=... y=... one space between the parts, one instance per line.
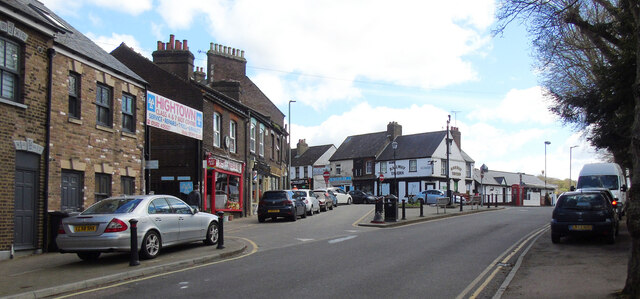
x=304 y=240
x=341 y=239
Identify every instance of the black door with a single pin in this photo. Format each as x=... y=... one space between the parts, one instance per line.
x=25 y=199
x=72 y=184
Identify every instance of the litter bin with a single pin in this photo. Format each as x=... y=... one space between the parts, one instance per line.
x=55 y=218
x=390 y=208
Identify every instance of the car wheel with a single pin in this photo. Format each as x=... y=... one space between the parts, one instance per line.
x=294 y=217
x=331 y=207
x=304 y=214
x=212 y=234
x=349 y=201
x=150 y=245
x=310 y=213
x=555 y=238
x=89 y=256
x=260 y=219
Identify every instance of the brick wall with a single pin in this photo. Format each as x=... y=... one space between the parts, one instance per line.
x=19 y=123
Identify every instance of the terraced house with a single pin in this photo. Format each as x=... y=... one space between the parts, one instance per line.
x=71 y=124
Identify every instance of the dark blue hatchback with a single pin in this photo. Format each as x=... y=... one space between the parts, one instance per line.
x=280 y=203
x=587 y=213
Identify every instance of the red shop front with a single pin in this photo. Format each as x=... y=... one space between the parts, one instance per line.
x=223 y=185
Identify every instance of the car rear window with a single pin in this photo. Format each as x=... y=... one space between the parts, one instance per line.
x=274 y=195
x=581 y=202
x=299 y=194
x=113 y=206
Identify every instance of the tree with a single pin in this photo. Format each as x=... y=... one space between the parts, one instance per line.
x=589 y=54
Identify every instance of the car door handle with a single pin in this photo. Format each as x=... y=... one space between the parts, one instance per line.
x=158 y=219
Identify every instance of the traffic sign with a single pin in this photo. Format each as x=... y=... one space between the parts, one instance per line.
x=326 y=176
x=381 y=177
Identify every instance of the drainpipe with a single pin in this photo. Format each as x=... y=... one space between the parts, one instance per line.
x=45 y=226
x=248 y=171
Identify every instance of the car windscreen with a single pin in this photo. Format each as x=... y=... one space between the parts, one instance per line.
x=591 y=201
x=598 y=181
x=113 y=206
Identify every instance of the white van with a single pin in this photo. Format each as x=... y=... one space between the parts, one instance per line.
x=604 y=175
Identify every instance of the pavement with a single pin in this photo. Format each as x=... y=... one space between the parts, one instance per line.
x=51 y=274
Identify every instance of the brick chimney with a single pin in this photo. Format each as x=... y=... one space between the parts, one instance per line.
x=394 y=130
x=302 y=147
x=175 y=57
x=199 y=75
x=225 y=63
x=455 y=134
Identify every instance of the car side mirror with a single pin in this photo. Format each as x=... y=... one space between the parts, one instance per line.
x=572 y=188
x=195 y=209
x=623 y=188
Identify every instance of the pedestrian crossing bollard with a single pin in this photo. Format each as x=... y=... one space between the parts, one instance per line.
x=134 y=258
x=403 y=209
x=220 y=230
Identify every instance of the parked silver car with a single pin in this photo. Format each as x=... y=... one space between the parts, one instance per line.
x=310 y=199
x=163 y=220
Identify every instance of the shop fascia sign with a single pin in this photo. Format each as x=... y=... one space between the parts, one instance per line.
x=169 y=115
x=224 y=164
x=456 y=170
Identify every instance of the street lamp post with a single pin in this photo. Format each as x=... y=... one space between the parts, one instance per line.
x=570 y=183
x=289 y=166
x=545 y=169
x=394 y=145
x=449 y=193
x=483 y=169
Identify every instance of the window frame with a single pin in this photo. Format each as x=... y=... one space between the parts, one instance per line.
x=108 y=108
x=217 y=129
x=129 y=114
x=413 y=165
x=252 y=138
x=127 y=182
x=369 y=167
x=102 y=186
x=75 y=100
x=383 y=167
x=233 y=129
x=14 y=73
x=261 y=141
x=443 y=167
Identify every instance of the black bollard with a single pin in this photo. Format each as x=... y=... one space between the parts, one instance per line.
x=421 y=207
x=496 y=201
x=135 y=259
x=220 y=230
x=403 y=214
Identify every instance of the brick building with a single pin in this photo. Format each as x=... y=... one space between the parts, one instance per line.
x=56 y=78
x=267 y=156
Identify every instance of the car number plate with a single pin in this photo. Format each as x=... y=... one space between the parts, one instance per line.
x=581 y=227
x=273 y=211
x=84 y=228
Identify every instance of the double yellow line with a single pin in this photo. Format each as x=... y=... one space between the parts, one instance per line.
x=496 y=265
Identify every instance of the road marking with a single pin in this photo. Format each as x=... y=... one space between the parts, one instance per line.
x=253 y=250
x=304 y=240
x=351 y=230
x=500 y=259
x=355 y=224
x=341 y=239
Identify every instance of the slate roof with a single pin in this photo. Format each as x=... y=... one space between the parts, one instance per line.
x=72 y=39
x=420 y=145
x=504 y=178
x=466 y=157
x=361 y=146
x=310 y=156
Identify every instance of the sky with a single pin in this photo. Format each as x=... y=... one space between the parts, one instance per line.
x=354 y=66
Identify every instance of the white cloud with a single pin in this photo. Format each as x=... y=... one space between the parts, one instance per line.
x=134 y=7
x=108 y=43
x=63 y=7
x=518 y=106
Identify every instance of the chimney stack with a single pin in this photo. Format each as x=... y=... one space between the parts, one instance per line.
x=456 y=135
x=302 y=146
x=228 y=62
x=393 y=130
x=175 y=57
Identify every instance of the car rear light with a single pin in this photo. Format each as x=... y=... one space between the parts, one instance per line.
x=306 y=201
x=61 y=229
x=288 y=202
x=116 y=225
x=614 y=203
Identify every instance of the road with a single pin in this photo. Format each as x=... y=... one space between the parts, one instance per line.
x=325 y=255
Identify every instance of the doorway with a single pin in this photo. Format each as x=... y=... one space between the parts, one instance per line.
x=25 y=200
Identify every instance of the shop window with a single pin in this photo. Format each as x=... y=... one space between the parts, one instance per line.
x=413 y=165
x=74 y=95
x=128 y=113
x=369 y=167
x=103 y=186
x=128 y=185
x=216 y=129
x=233 y=128
x=9 y=70
x=104 y=106
x=227 y=191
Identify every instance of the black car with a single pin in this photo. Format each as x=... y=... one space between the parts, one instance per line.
x=280 y=203
x=584 y=213
x=362 y=197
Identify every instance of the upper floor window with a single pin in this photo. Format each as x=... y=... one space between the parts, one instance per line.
x=369 y=167
x=383 y=167
x=104 y=106
x=273 y=146
x=297 y=172
x=9 y=71
x=261 y=141
x=306 y=172
x=338 y=168
x=468 y=171
x=278 y=149
x=216 y=129
x=128 y=113
x=413 y=165
x=252 y=143
x=443 y=169
x=233 y=128
x=74 y=95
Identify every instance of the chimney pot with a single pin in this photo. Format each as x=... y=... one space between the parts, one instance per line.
x=184 y=45
x=159 y=45
x=178 y=45
x=234 y=52
x=242 y=53
x=171 y=42
x=210 y=46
